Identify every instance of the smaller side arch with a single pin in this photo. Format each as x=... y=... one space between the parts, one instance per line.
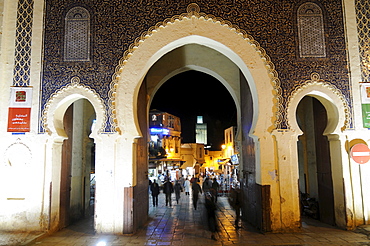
x=338 y=120
x=62 y=99
x=332 y=99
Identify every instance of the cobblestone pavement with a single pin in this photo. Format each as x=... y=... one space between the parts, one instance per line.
x=182 y=225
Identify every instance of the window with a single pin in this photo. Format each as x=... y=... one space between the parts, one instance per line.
x=311 y=31
x=77 y=35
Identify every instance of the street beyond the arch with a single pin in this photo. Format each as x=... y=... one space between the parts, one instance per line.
x=182 y=225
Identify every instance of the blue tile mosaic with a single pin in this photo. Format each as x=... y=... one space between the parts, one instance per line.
x=116 y=24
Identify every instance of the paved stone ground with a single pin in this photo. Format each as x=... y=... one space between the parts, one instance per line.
x=182 y=225
x=18 y=238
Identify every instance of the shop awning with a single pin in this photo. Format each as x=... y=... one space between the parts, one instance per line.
x=187 y=164
x=225 y=161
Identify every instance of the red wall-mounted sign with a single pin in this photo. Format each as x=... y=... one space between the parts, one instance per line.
x=19 y=113
x=19 y=119
x=360 y=153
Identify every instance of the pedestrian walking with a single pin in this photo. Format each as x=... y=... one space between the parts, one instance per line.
x=215 y=188
x=182 y=181
x=200 y=180
x=154 y=188
x=178 y=190
x=168 y=190
x=192 y=179
x=207 y=185
x=196 y=190
x=236 y=201
x=211 y=213
x=187 y=187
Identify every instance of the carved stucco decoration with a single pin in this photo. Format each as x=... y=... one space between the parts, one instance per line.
x=322 y=87
x=193 y=11
x=18 y=154
x=64 y=97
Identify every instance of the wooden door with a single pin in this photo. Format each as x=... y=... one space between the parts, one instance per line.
x=65 y=182
x=324 y=174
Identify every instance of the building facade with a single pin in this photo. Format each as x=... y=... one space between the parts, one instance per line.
x=201 y=131
x=193 y=155
x=77 y=79
x=165 y=143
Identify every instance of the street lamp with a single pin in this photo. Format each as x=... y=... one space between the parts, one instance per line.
x=223 y=147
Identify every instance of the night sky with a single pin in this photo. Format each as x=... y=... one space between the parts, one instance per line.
x=193 y=93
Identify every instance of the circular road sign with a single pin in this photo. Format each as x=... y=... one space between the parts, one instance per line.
x=360 y=153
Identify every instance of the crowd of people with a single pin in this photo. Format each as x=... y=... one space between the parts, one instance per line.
x=208 y=186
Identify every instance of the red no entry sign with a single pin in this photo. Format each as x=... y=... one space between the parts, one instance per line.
x=360 y=153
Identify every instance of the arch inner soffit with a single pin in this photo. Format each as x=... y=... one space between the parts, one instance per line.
x=181 y=60
x=199 y=69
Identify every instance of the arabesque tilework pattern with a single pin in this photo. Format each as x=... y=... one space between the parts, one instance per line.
x=363 y=27
x=22 y=60
x=115 y=25
x=311 y=31
x=77 y=33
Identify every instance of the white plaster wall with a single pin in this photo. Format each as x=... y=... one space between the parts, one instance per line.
x=7 y=38
x=355 y=175
x=1 y=21
x=21 y=197
x=22 y=206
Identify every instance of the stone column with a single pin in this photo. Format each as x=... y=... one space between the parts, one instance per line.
x=106 y=197
x=52 y=181
x=114 y=175
x=287 y=175
x=339 y=160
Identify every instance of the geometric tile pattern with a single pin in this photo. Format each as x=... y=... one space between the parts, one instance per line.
x=363 y=28
x=115 y=25
x=311 y=31
x=22 y=60
x=193 y=11
x=77 y=35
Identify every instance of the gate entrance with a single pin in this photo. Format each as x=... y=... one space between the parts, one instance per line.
x=78 y=164
x=316 y=185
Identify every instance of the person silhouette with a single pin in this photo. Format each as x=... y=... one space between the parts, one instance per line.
x=168 y=190
x=177 y=189
x=196 y=190
x=154 y=188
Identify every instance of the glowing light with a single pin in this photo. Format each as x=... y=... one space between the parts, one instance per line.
x=154 y=138
x=164 y=131
x=93 y=125
x=101 y=244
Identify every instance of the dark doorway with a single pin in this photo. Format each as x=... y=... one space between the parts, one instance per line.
x=65 y=182
x=78 y=158
x=316 y=185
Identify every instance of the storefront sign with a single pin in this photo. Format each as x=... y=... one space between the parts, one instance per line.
x=235 y=159
x=365 y=101
x=19 y=113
